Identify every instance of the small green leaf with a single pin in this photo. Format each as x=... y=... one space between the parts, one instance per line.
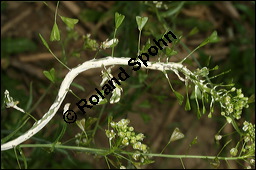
x=141 y=21
x=187 y=106
x=210 y=115
x=146 y=46
x=204 y=110
x=118 y=19
x=171 y=52
x=179 y=97
x=103 y=101
x=193 y=31
x=211 y=39
x=70 y=22
x=55 y=34
x=197 y=95
x=30 y=99
x=77 y=86
x=198 y=92
x=251 y=99
x=215 y=68
x=44 y=42
x=194 y=141
x=50 y=75
x=176 y=135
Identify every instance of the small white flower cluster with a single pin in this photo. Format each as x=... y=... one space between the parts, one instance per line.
x=124 y=133
x=233 y=151
x=233 y=105
x=249 y=137
x=90 y=43
x=10 y=102
x=159 y=4
x=218 y=137
x=81 y=140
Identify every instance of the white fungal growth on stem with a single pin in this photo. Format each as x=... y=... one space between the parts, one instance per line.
x=95 y=63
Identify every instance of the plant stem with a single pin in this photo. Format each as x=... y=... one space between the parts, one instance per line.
x=139 y=44
x=55 y=17
x=113 y=48
x=106 y=151
x=97 y=123
x=58 y=59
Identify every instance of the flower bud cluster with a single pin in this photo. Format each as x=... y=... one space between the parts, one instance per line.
x=126 y=135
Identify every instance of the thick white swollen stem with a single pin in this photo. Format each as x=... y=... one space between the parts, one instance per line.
x=95 y=63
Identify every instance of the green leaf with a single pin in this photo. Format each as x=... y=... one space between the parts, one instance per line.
x=23 y=158
x=55 y=34
x=70 y=22
x=215 y=68
x=193 y=142
x=44 y=42
x=77 y=86
x=146 y=46
x=171 y=12
x=211 y=39
x=17 y=45
x=50 y=75
x=193 y=31
x=141 y=21
x=198 y=93
x=171 y=52
x=118 y=19
x=176 y=135
x=103 y=101
x=30 y=98
x=251 y=99
x=187 y=106
x=179 y=97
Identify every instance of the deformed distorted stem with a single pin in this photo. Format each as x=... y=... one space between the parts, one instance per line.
x=106 y=151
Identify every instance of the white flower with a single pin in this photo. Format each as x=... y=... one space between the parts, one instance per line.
x=10 y=103
x=106 y=75
x=122 y=167
x=218 y=137
x=116 y=94
x=110 y=43
x=136 y=156
x=9 y=100
x=110 y=134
